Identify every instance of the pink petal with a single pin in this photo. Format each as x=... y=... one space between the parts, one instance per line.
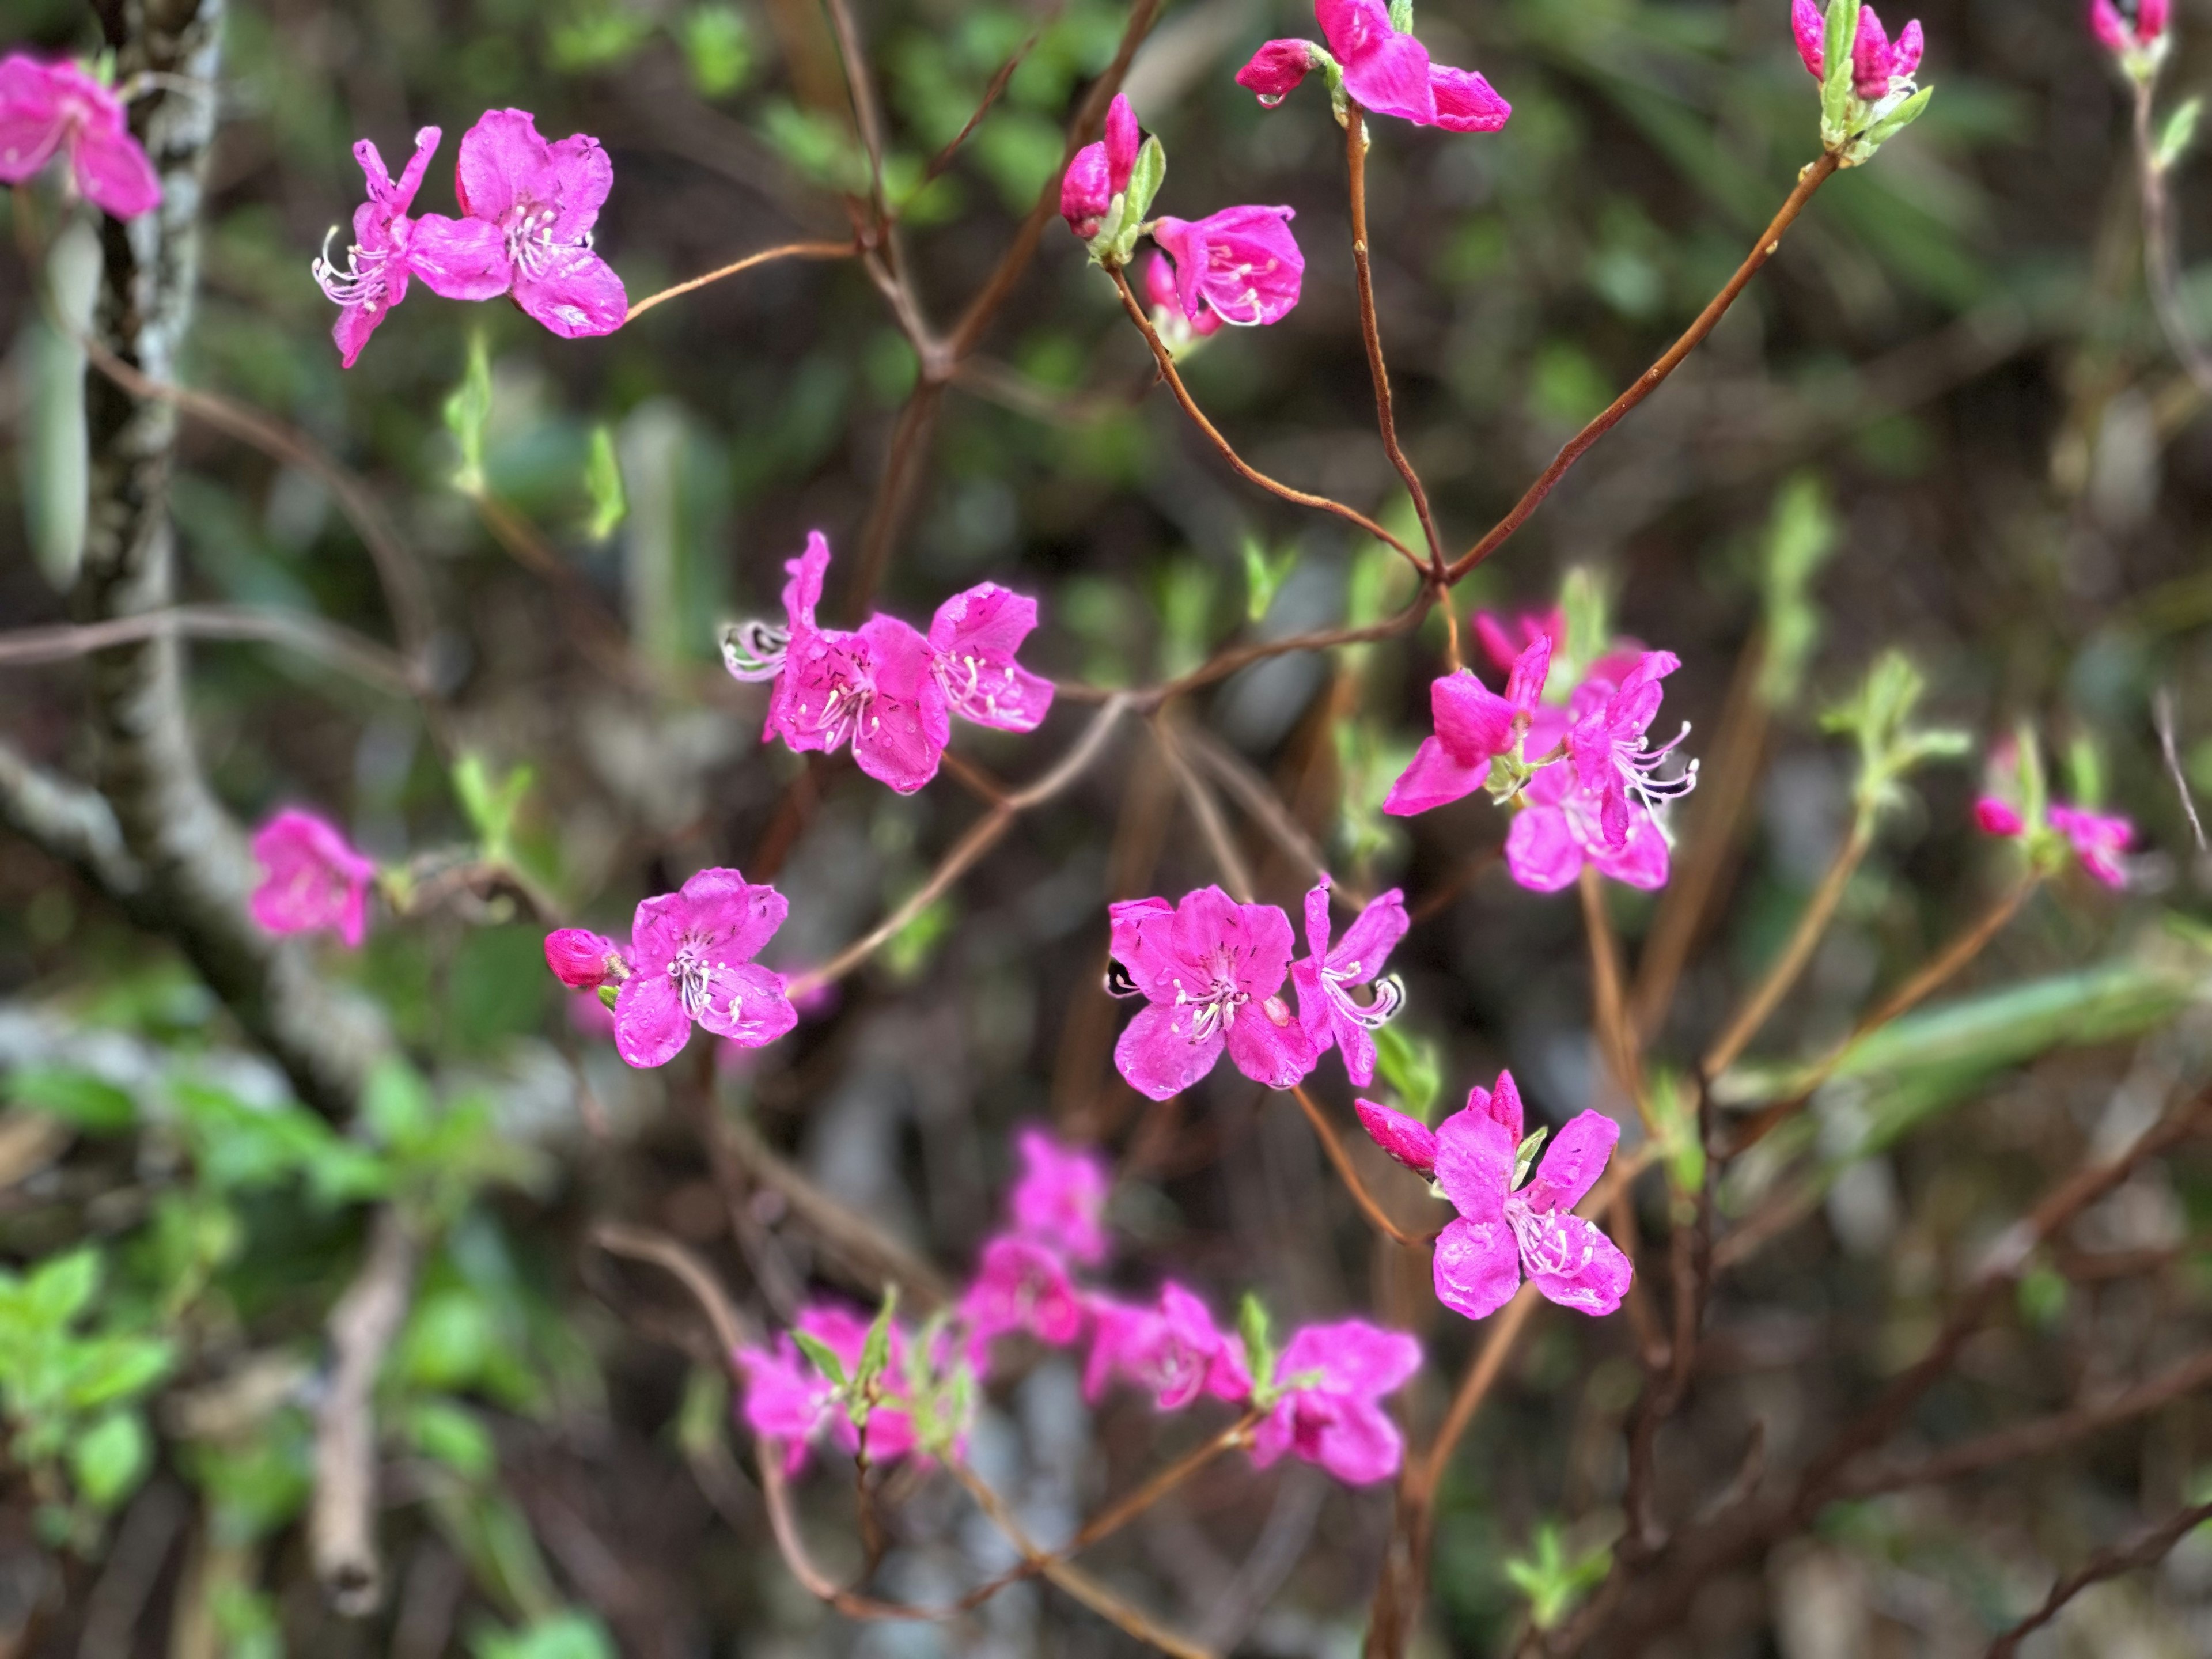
x=1123 y=140
x=742 y=915
x=1524 y=686
x=1277 y=1054
x=1598 y=1277
x=1641 y=861
x=1407 y=1139
x=1502 y=1105
x=1393 y=78
x=657 y=930
x=1356 y=1043
x=1472 y=722
x=1809 y=26
x=1317 y=918
x=976 y=634
x=1998 y=817
x=459 y=259
x=1573 y=1162
x=1474 y=1164
x=745 y=1003
x=1144 y=942
x=31 y=120
x=351 y=331
x=904 y=734
x=584 y=174
x=1352 y=1356
x=1158 y=1060
x=579 y=298
x=426 y=145
x=1905 y=58
x=1373 y=934
x=1433 y=780
x=1477 y=1267
x=1255 y=937
x=651 y=1027
x=113 y=172
x=1314 y=1014
x=802 y=588
x=503 y=162
x=1540 y=850
x=1465 y=101
x=1275 y=70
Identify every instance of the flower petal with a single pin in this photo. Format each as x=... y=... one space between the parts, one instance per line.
x=1573 y=1162
x=1465 y=101
x=1144 y=942
x=1156 y=1060
x=1641 y=860
x=1598 y=1276
x=1407 y=1139
x=742 y=916
x=1360 y=1444
x=1433 y=780
x=903 y=732
x=112 y=172
x=1474 y=1161
x=1277 y=1054
x=579 y=298
x=746 y=1003
x=1478 y=1267
x=651 y=1027
x=1540 y=850
x=459 y=259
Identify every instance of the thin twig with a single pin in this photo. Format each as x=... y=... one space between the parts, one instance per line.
x=2147 y=1551
x=1804 y=939
x=2162 y=715
x=1332 y=1146
x=997 y=85
x=1203 y=808
x=788 y=251
x=341 y=648
x=341 y=1524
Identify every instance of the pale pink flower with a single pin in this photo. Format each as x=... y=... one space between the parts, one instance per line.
x=692 y=959
x=1240 y=264
x=1502 y=1233
x=1212 y=970
x=1612 y=763
x=313 y=879
x=57 y=109
x=1173 y=1348
x=1100 y=172
x=1384 y=72
x=1160 y=289
x=543 y=199
x=1407 y=1139
x=1879 y=66
x=1473 y=726
x=1019 y=1286
x=1325 y=979
x=1333 y=1379
x=972 y=641
x=583 y=960
x=1060 y=1202
x=2122 y=27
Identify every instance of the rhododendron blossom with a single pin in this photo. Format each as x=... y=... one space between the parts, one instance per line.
x=313 y=879
x=2131 y=29
x=1173 y=1348
x=1212 y=970
x=692 y=960
x=789 y=1401
x=1326 y=978
x=1241 y=265
x=1473 y=726
x=2097 y=839
x=1333 y=1379
x=57 y=109
x=1560 y=829
x=1407 y=1139
x=1614 y=764
x=1383 y=70
x=1879 y=66
x=972 y=641
x=1019 y=1286
x=1179 y=332
x=1101 y=171
x=583 y=960
x=543 y=200
x=1060 y=1202
x=1504 y=638
x=1502 y=1233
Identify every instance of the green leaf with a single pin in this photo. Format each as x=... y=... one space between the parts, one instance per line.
x=2042 y=1294
x=398 y=1105
x=61 y=1287
x=823 y=1355
x=1799 y=538
x=596 y=34
x=2085 y=771
x=907 y=951
x=109 y=1369
x=718 y=48
x=1838 y=97
x=1146 y=178
x=468 y=416
x=1524 y=1155
x=92 y=1104
x=108 y=1460
x=449 y=1434
x=1586 y=604
x=1552 y=1583
x=1402 y=16
x=561 y=1635
x=876 y=1351
x=2175 y=137
x=1886 y=127
x=1264 y=576
x=1878 y=716
x=1257 y=1328
x=602 y=480
x=492 y=802
x=1413 y=1066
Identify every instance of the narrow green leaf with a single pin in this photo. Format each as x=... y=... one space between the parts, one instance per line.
x=109 y=1459
x=823 y=1355
x=468 y=416
x=603 y=478
x=1150 y=172
x=91 y=1104
x=2179 y=130
x=1839 y=35
x=876 y=1351
x=1264 y=576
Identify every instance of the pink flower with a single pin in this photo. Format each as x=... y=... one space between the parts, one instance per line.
x=457 y=258
x=1333 y=1377
x=582 y=960
x=1502 y=1233
x=2098 y=839
x=1174 y=1349
x=693 y=955
x=50 y=109
x=1160 y=289
x=2122 y=27
x=787 y=1400
x=1060 y=1202
x=1325 y=979
x=1212 y=970
x=844 y=1332
x=1998 y=817
x=972 y=641
x=877 y=688
x=1384 y=72
x=1879 y=66
x=1407 y=1139
x=1504 y=638
x=1100 y=172
x=1612 y=761
x=1276 y=69
x=543 y=200
x=1019 y=1286
x=1240 y=264
x=1558 y=829
x=314 y=879
x=1474 y=725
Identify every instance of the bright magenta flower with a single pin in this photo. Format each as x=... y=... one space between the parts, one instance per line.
x=583 y=960
x=1214 y=970
x=1474 y=725
x=1160 y=289
x=543 y=200
x=1879 y=65
x=972 y=642
x=787 y=1400
x=1612 y=761
x=1100 y=172
x=2098 y=838
x=1333 y=1378
x=2123 y=28
x=1019 y=1286
x=57 y=109
x=1240 y=264
x=1060 y=1202
x=314 y=879
x=1407 y=1139
x=1384 y=72
x=1325 y=978
x=1502 y=1233
x=692 y=957
x=1559 y=827
x=1174 y=1349
x=1504 y=638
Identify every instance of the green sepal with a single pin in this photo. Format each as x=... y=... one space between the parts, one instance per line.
x=823 y=1357
x=1838 y=97
x=1524 y=1156
x=1888 y=121
x=1402 y=16
x=2174 y=137
x=1255 y=1326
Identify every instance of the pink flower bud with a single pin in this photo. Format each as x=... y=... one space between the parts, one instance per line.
x=1998 y=817
x=1408 y=1140
x=581 y=959
x=1276 y=69
x=1100 y=172
x=2121 y=27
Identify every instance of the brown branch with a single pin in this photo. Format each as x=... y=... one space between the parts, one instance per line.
x=366 y=1318
x=1204 y=808
x=1252 y=792
x=997 y=85
x=1371 y=333
x=341 y=648
x=2147 y=1551
x=1243 y=468
x=1378 y=1217
x=1804 y=939
x=788 y=251
x=1810 y=180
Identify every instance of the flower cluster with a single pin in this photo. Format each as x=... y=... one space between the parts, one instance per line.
x=1590 y=785
x=1212 y=973
x=57 y=109
x=1479 y=1160
x=884 y=687
x=690 y=961
x=1241 y=265
x=528 y=208
x=2013 y=805
x=312 y=878
x=1870 y=96
x=1319 y=1399
x=1377 y=66
x=1879 y=66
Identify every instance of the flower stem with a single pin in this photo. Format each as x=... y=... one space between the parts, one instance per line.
x=788 y=250
x=1342 y=1160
